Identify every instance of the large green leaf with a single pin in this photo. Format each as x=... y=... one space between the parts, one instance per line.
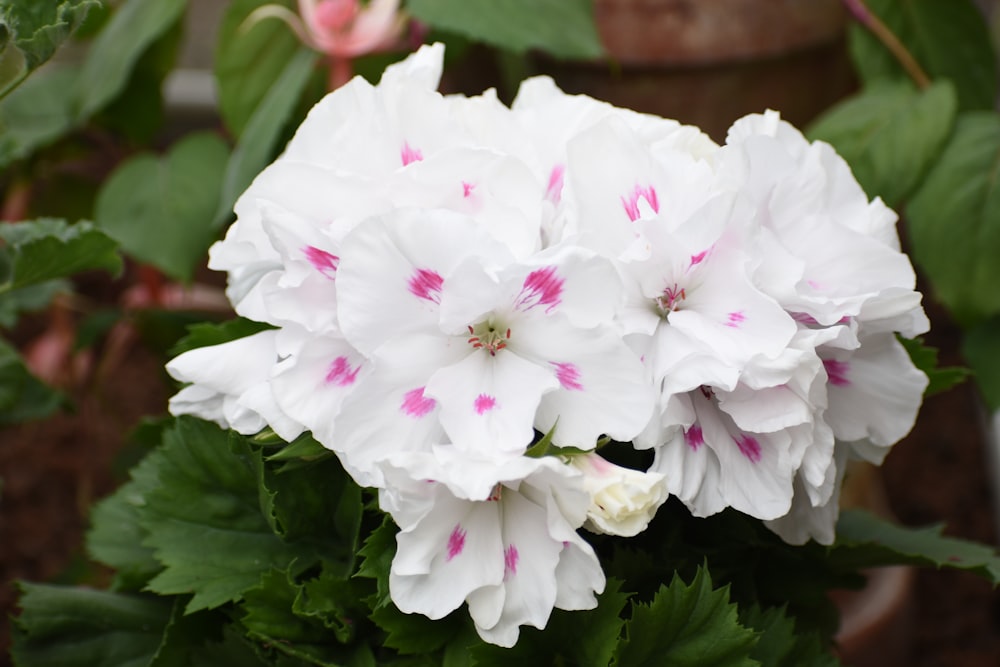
x=981 y=348
x=687 y=625
x=564 y=28
x=31 y=31
x=948 y=38
x=41 y=250
x=22 y=396
x=250 y=60
x=131 y=30
x=780 y=644
x=890 y=134
x=954 y=220
x=926 y=359
x=204 y=521
x=75 y=627
x=864 y=540
x=160 y=209
x=258 y=140
x=584 y=638
x=37 y=113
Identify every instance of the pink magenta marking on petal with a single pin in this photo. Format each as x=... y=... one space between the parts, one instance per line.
x=426 y=284
x=837 y=371
x=416 y=404
x=456 y=542
x=484 y=403
x=542 y=287
x=467 y=189
x=735 y=319
x=410 y=154
x=510 y=558
x=324 y=262
x=568 y=375
x=749 y=447
x=553 y=192
x=804 y=318
x=631 y=202
x=694 y=438
x=699 y=258
x=340 y=373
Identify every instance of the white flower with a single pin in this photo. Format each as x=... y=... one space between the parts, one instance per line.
x=622 y=501
x=509 y=548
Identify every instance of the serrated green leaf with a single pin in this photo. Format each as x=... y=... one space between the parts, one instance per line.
x=981 y=348
x=926 y=359
x=259 y=137
x=779 y=644
x=864 y=540
x=687 y=625
x=949 y=40
x=585 y=638
x=415 y=634
x=31 y=31
x=564 y=28
x=890 y=135
x=204 y=521
x=127 y=35
x=116 y=533
x=303 y=447
x=160 y=209
x=41 y=250
x=22 y=396
x=270 y=617
x=204 y=334
x=954 y=220
x=376 y=559
x=76 y=627
x=334 y=601
x=184 y=635
x=250 y=60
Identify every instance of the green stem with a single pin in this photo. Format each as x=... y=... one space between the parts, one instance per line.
x=867 y=18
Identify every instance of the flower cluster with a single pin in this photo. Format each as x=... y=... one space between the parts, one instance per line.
x=449 y=279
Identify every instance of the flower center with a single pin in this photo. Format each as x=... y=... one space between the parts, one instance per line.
x=670 y=300
x=489 y=337
x=336 y=15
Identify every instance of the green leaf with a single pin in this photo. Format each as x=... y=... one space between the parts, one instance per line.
x=949 y=40
x=376 y=558
x=890 y=135
x=250 y=61
x=864 y=540
x=41 y=250
x=585 y=638
x=38 y=113
x=116 y=533
x=926 y=359
x=203 y=519
x=781 y=645
x=29 y=299
x=564 y=28
x=31 y=31
x=204 y=334
x=954 y=220
x=22 y=396
x=160 y=210
x=303 y=447
x=75 y=627
x=981 y=348
x=131 y=30
x=272 y=617
x=687 y=625
x=259 y=137
x=415 y=634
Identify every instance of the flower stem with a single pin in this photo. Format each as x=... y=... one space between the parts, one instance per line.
x=341 y=71
x=867 y=18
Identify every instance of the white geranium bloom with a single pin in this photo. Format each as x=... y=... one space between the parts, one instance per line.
x=491 y=347
x=622 y=501
x=230 y=385
x=501 y=538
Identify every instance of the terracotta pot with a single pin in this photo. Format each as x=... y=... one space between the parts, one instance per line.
x=708 y=62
